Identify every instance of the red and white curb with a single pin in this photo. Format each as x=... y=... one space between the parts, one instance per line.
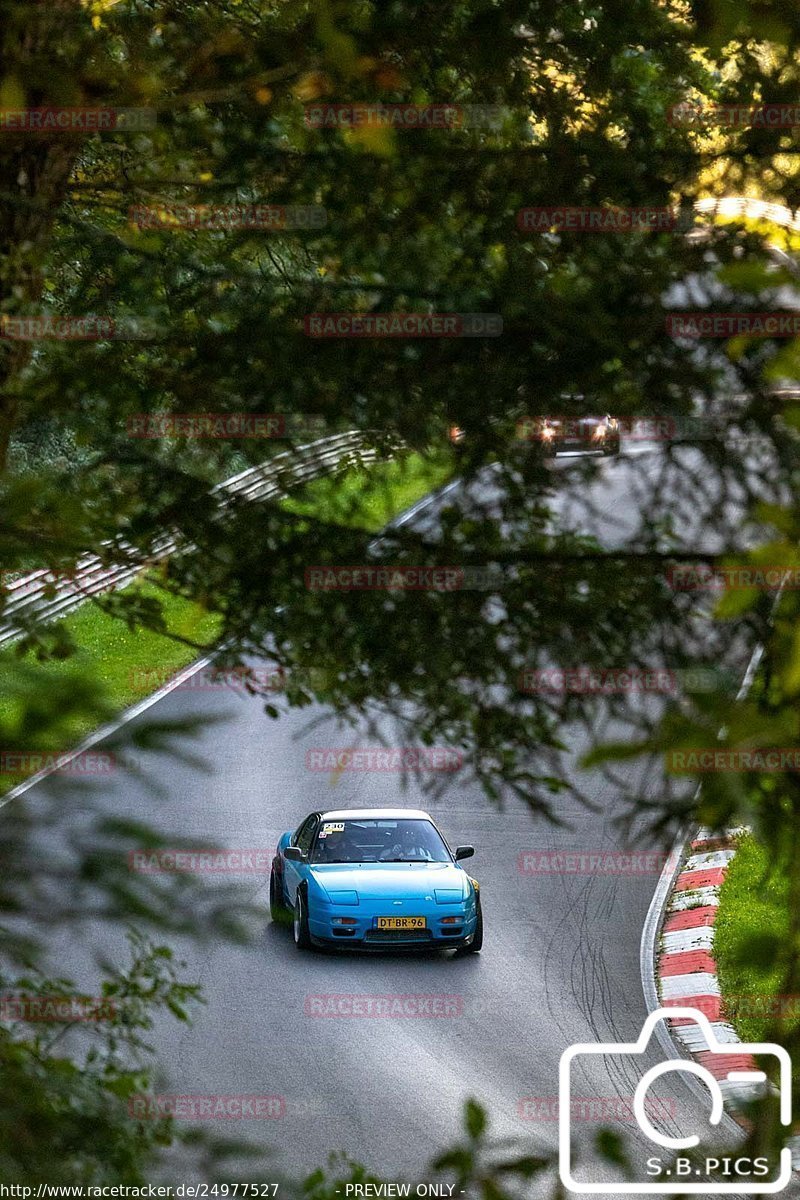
x=686 y=973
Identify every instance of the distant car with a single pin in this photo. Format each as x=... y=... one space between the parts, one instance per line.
x=375 y=878
x=558 y=434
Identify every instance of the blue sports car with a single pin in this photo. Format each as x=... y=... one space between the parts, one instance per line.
x=375 y=877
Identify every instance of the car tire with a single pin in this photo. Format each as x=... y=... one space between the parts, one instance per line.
x=476 y=945
x=277 y=905
x=302 y=935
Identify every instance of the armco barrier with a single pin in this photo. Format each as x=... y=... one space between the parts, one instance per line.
x=45 y=596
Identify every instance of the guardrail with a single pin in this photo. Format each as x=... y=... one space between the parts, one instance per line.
x=748 y=206
x=45 y=596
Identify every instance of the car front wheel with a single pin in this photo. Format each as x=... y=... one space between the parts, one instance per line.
x=477 y=938
x=302 y=936
x=277 y=905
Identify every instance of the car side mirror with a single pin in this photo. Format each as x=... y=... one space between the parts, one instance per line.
x=294 y=854
x=464 y=852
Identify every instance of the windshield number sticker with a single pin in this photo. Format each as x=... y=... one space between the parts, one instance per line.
x=331 y=827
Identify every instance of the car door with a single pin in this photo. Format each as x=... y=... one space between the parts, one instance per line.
x=295 y=872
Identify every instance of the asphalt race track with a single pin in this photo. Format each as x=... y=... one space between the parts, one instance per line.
x=560 y=963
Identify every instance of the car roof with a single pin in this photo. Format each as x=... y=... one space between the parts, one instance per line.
x=376 y=814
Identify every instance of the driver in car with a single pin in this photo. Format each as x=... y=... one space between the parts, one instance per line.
x=407 y=847
x=333 y=847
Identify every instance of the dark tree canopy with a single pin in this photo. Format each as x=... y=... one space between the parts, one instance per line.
x=421 y=220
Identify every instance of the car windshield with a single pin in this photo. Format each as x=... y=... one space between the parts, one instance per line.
x=364 y=841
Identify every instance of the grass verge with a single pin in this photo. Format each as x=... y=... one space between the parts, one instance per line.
x=367 y=497
x=753 y=917
x=130 y=664
x=125 y=664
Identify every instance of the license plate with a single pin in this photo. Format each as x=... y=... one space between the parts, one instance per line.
x=402 y=922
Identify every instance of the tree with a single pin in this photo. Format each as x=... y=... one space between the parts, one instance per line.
x=560 y=107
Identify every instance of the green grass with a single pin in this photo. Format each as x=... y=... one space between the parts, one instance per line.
x=753 y=919
x=125 y=664
x=368 y=497
x=132 y=663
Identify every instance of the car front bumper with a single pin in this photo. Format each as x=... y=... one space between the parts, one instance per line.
x=560 y=445
x=326 y=927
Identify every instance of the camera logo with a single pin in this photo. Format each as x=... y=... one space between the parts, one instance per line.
x=679 y=1173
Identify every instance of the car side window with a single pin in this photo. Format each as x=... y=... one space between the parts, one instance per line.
x=298 y=833
x=305 y=834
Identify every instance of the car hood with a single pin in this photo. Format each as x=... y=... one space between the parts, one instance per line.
x=375 y=881
x=570 y=423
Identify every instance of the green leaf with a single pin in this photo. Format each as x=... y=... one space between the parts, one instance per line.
x=474 y=1120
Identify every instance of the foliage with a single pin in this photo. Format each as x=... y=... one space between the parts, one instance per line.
x=417 y=220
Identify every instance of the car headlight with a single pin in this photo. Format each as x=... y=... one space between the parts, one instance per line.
x=548 y=432
x=448 y=895
x=599 y=432
x=343 y=897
